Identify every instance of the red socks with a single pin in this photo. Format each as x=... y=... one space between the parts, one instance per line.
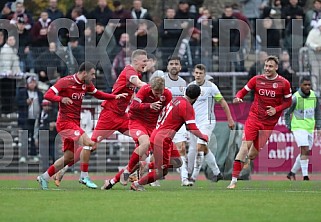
x=237 y=168
x=51 y=170
x=134 y=159
x=84 y=167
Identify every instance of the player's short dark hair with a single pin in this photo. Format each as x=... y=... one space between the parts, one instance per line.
x=193 y=91
x=305 y=78
x=272 y=58
x=174 y=58
x=86 y=66
x=200 y=67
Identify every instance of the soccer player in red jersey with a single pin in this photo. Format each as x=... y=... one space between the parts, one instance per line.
x=69 y=92
x=113 y=115
x=272 y=94
x=178 y=112
x=143 y=114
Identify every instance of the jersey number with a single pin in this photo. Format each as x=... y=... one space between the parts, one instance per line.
x=163 y=115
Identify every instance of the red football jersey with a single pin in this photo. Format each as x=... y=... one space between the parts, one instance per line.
x=73 y=88
x=172 y=117
x=267 y=92
x=122 y=85
x=140 y=107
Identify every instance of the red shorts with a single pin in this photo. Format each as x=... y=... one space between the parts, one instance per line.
x=138 y=128
x=108 y=123
x=70 y=133
x=163 y=150
x=257 y=132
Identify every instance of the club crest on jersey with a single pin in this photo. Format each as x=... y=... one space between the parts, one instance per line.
x=138 y=132
x=181 y=88
x=275 y=85
x=83 y=86
x=162 y=98
x=77 y=133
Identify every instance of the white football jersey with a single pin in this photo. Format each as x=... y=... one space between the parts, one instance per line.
x=177 y=87
x=204 y=105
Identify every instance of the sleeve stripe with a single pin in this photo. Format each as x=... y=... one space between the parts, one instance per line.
x=93 y=92
x=54 y=89
x=247 y=88
x=288 y=96
x=190 y=121
x=138 y=100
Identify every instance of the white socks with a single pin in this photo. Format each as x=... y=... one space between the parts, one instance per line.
x=46 y=176
x=304 y=167
x=297 y=165
x=198 y=165
x=184 y=173
x=83 y=174
x=211 y=162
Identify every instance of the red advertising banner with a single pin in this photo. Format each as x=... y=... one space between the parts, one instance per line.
x=280 y=152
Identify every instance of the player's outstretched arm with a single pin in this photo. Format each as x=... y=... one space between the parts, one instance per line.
x=137 y=82
x=193 y=129
x=227 y=111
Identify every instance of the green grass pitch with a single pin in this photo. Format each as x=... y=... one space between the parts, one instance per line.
x=22 y=200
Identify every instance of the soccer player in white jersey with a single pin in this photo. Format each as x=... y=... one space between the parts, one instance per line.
x=205 y=121
x=177 y=86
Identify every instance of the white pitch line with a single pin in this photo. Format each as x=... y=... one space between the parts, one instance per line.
x=32 y=188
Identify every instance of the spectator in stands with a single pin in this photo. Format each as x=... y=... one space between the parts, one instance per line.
x=122 y=59
x=205 y=23
x=80 y=21
x=97 y=45
x=77 y=4
x=124 y=41
x=252 y=10
x=169 y=36
x=47 y=121
x=138 y=12
x=9 y=60
x=101 y=13
x=53 y=11
x=190 y=49
x=293 y=37
x=257 y=68
x=40 y=32
x=24 y=48
x=143 y=36
x=77 y=55
x=183 y=12
x=9 y=66
x=312 y=16
x=285 y=69
x=286 y=3
x=29 y=100
x=229 y=46
x=2 y=38
x=7 y=12
x=49 y=65
x=314 y=43
x=267 y=36
x=21 y=12
x=122 y=14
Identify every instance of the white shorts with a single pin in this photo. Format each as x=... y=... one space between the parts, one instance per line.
x=303 y=138
x=181 y=135
x=206 y=129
